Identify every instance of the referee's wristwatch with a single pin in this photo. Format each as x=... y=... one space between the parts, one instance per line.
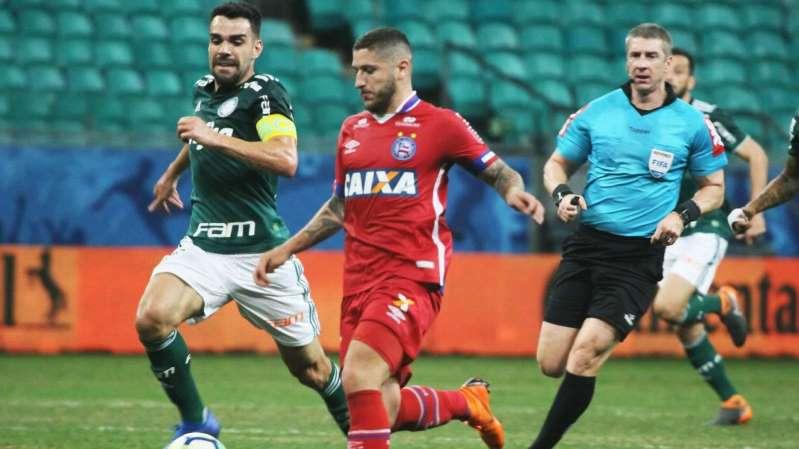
x=560 y=191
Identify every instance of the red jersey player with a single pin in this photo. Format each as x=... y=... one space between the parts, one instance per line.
x=390 y=196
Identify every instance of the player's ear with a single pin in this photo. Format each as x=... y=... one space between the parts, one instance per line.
x=258 y=48
x=403 y=68
x=691 y=83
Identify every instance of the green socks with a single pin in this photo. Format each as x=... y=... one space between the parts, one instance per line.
x=335 y=399
x=170 y=362
x=699 y=305
x=710 y=366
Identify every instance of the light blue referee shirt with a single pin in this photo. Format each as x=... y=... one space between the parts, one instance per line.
x=637 y=158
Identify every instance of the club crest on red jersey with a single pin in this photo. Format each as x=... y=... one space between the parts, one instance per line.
x=403 y=147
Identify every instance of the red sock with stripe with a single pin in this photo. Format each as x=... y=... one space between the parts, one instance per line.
x=369 y=427
x=423 y=408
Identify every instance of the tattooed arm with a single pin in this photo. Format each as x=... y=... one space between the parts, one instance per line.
x=778 y=191
x=327 y=221
x=510 y=186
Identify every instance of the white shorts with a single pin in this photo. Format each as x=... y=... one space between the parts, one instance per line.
x=284 y=308
x=695 y=258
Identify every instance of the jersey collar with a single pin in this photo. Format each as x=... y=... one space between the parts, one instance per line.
x=411 y=102
x=671 y=97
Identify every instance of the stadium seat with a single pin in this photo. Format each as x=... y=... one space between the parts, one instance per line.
x=5 y=51
x=718 y=43
x=763 y=16
x=108 y=108
x=32 y=104
x=438 y=11
x=506 y=63
x=777 y=98
x=419 y=34
x=578 y=13
x=588 y=91
x=459 y=63
x=148 y=28
x=360 y=9
x=303 y=120
x=623 y=15
x=85 y=79
x=426 y=68
x=45 y=77
x=751 y=126
x=718 y=71
x=70 y=52
x=556 y=92
x=328 y=118
x=149 y=114
x=176 y=107
x=13 y=78
x=140 y=7
x=406 y=10
x=737 y=98
x=714 y=16
x=546 y=12
x=33 y=50
x=585 y=39
x=113 y=53
x=360 y=26
x=5 y=106
x=497 y=37
x=275 y=33
x=111 y=26
x=505 y=95
x=764 y=44
x=72 y=105
x=7 y=23
x=544 y=65
x=542 y=37
x=517 y=124
x=491 y=11
x=191 y=57
x=583 y=68
x=183 y=8
x=768 y=72
x=74 y=24
x=162 y=83
x=124 y=82
x=458 y=34
x=325 y=14
x=189 y=29
x=279 y=61
x=152 y=54
x=686 y=40
x=468 y=96
x=103 y=6
x=36 y=22
x=321 y=89
x=320 y=61
x=674 y=15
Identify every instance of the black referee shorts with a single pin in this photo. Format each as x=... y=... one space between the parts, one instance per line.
x=604 y=276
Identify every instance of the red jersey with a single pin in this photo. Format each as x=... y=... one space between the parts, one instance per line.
x=391 y=172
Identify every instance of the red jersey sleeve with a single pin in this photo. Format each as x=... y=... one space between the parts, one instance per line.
x=465 y=146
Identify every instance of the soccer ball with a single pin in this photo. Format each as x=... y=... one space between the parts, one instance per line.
x=195 y=440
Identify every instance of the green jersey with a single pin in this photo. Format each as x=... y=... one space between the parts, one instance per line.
x=714 y=222
x=234 y=205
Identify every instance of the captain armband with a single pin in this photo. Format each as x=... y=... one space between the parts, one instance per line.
x=275 y=125
x=689 y=211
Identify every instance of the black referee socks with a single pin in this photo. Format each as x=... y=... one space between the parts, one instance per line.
x=573 y=397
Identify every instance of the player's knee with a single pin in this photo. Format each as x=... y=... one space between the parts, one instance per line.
x=585 y=359
x=550 y=367
x=667 y=311
x=154 y=323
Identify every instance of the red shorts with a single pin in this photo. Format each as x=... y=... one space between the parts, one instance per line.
x=391 y=318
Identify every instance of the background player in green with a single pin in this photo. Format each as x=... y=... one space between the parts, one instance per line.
x=781 y=189
x=690 y=264
x=240 y=139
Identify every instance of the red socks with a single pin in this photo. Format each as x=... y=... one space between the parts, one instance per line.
x=423 y=408
x=369 y=427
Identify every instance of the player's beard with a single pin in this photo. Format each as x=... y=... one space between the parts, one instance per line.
x=382 y=98
x=229 y=80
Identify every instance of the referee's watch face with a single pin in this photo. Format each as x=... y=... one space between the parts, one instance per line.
x=647 y=63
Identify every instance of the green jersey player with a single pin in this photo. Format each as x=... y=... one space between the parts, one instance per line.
x=690 y=265
x=778 y=191
x=239 y=140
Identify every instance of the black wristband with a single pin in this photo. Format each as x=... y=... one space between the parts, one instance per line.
x=560 y=191
x=689 y=211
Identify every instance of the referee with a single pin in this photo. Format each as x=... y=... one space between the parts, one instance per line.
x=639 y=139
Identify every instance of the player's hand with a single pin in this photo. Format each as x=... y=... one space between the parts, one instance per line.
x=668 y=230
x=757 y=227
x=570 y=206
x=194 y=128
x=268 y=263
x=165 y=192
x=738 y=221
x=526 y=203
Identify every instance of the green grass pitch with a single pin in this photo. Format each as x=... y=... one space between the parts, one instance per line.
x=101 y=401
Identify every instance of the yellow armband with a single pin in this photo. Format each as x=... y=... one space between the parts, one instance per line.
x=274 y=125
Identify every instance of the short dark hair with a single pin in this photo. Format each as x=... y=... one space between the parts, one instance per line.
x=677 y=51
x=650 y=31
x=382 y=38
x=235 y=10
